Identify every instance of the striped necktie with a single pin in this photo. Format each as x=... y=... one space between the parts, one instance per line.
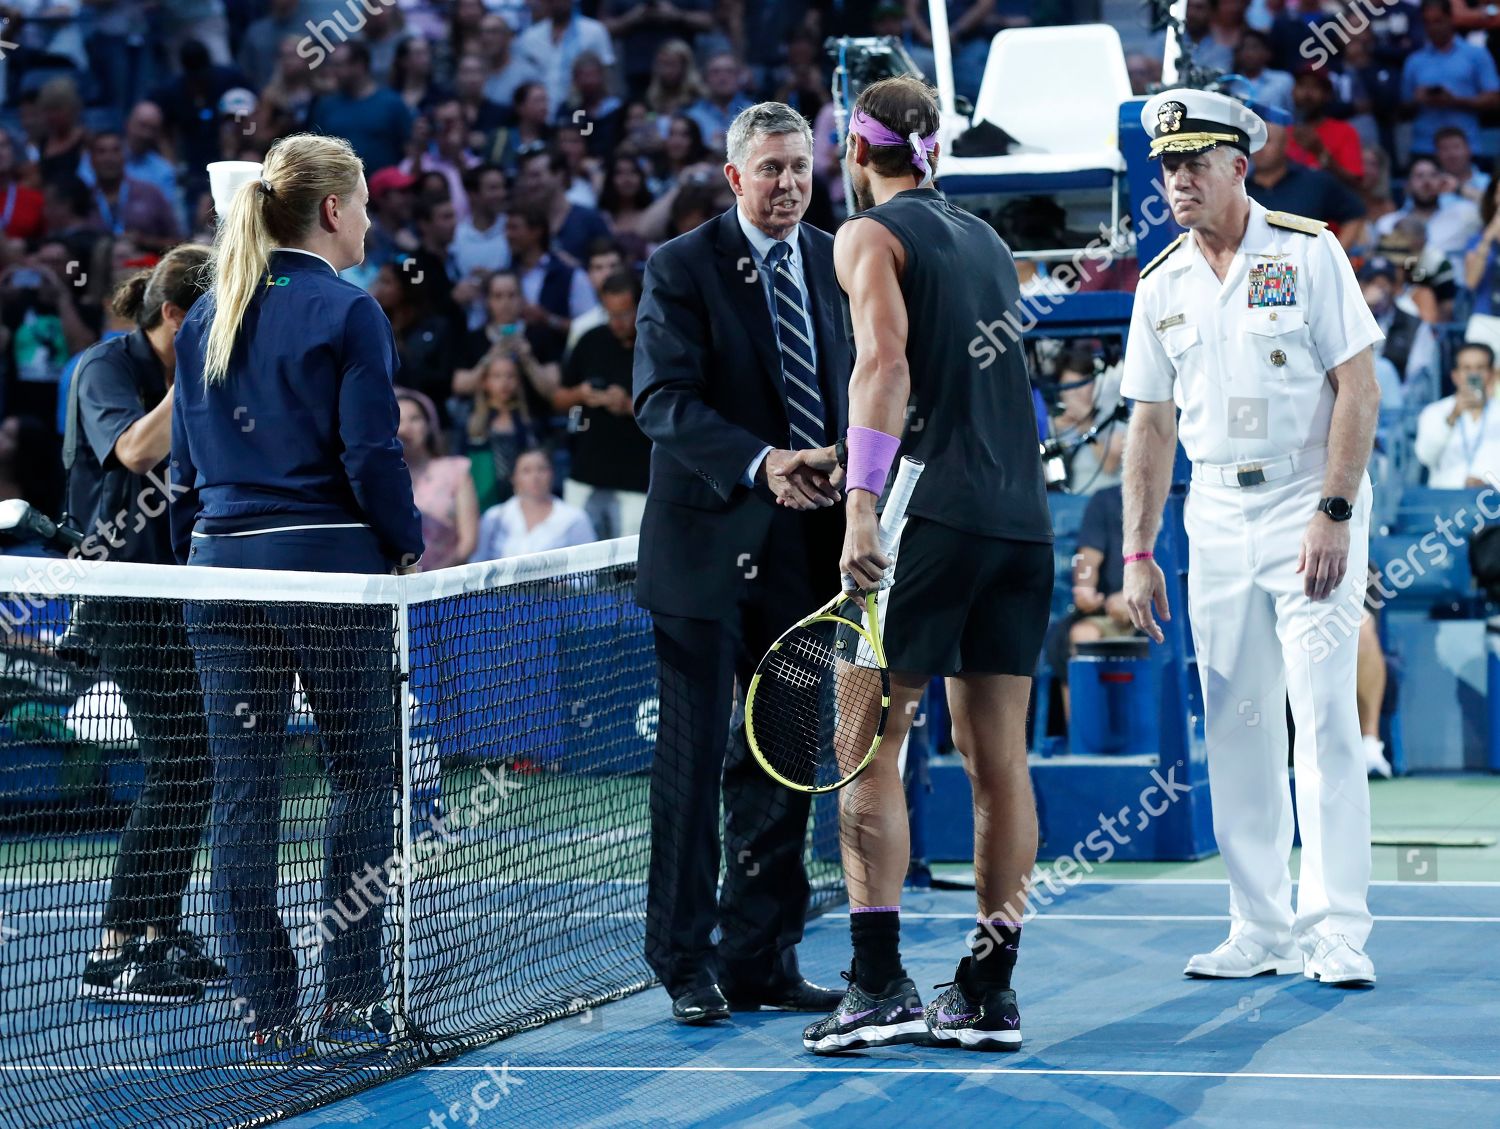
x=799 y=363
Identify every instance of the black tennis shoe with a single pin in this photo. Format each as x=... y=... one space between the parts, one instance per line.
x=140 y=973
x=973 y=1015
x=863 y=1019
x=352 y=1029
x=190 y=959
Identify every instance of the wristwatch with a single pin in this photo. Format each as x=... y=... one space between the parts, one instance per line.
x=841 y=452
x=1339 y=509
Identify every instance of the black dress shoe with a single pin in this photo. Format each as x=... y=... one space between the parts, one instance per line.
x=700 y=1005
x=787 y=995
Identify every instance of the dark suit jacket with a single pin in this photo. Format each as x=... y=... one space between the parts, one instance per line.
x=708 y=392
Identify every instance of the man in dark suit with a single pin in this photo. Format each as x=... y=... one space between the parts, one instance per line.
x=741 y=381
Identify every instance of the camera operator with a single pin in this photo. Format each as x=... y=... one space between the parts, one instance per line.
x=118 y=438
x=1458 y=437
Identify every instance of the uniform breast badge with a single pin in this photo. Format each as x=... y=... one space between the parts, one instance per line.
x=1273 y=284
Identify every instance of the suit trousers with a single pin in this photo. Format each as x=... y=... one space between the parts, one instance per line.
x=1261 y=642
x=763 y=903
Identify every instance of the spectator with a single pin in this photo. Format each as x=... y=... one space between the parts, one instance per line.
x=1226 y=26
x=40 y=328
x=76 y=247
x=972 y=25
x=1281 y=185
x=1458 y=440
x=682 y=156
x=597 y=113
x=465 y=28
x=441 y=486
x=383 y=33
x=1099 y=610
x=1095 y=465
x=1319 y=141
x=611 y=463
x=624 y=202
x=117 y=40
x=127 y=208
x=1396 y=30
x=641 y=27
x=1371 y=91
x=196 y=21
x=504 y=333
x=531 y=132
x=260 y=47
x=532 y=520
x=287 y=99
x=675 y=84
x=20 y=206
x=1370 y=679
x=1292 y=41
x=422 y=329
x=1410 y=343
x=497 y=431
x=374 y=119
x=1447 y=81
x=1375 y=188
x=581 y=169
x=392 y=199
x=800 y=83
x=554 y=292
x=65 y=138
x=1145 y=73
x=412 y=75
x=1261 y=82
x=1455 y=162
x=1482 y=264
x=605 y=260
x=550 y=46
x=506 y=72
x=1450 y=225
x=479 y=245
x=888 y=19
x=543 y=183
x=722 y=101
x=481 y=116
x=1425 y=280
x=1199 y=36
x=190 y=102
x=447 y=153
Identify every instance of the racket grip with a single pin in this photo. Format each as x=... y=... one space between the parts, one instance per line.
x=896 y=501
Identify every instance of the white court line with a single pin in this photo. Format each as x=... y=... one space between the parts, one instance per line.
x=93 y=914
x=977 y=1070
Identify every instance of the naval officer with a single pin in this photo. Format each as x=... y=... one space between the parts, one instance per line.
x=1252 y=324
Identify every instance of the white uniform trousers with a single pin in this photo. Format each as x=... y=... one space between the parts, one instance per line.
x=1260 y=641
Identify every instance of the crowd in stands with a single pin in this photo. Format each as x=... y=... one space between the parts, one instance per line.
x=524 y=157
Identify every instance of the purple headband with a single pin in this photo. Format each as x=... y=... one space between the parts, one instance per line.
x=878 y=133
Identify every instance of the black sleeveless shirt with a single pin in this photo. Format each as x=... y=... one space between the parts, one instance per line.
x=971 y=417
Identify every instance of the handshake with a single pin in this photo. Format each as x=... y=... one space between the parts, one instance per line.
x=803 y=480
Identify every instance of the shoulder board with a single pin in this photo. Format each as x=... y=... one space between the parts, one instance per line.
x=1161 y=258
x=1295 y=223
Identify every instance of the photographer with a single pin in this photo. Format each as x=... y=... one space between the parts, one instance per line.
x=117 y=441
x=1458 y=437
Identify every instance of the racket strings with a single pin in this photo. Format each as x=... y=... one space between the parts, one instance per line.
x=816 y=712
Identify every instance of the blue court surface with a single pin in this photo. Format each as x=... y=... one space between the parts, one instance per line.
x=1115 y=1035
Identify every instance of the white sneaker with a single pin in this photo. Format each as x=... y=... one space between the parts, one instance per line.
x=1238 y=958
x=1337 y=960
x=1375 y=762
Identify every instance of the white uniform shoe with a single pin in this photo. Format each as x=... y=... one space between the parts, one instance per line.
x=1238 y=958
x=1336 y=960
x=1375 y=762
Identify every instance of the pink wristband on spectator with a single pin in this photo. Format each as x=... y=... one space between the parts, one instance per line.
x=871 y=453
x=1133 y=557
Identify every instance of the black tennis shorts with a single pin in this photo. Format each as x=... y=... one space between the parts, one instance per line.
x=963 y=603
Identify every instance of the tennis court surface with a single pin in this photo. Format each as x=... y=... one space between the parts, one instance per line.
x=511 y=943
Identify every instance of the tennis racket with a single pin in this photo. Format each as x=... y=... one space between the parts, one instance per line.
x=816 y=709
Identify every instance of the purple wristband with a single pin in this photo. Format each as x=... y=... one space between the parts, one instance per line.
x=870 y=456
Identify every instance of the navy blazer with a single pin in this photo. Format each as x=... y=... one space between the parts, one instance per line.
x=708 y=392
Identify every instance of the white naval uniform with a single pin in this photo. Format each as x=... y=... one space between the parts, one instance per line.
x=1251 y=384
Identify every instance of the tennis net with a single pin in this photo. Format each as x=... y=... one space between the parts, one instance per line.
x=432 y=793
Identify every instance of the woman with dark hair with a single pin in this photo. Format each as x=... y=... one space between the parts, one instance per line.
x=1482 y=264
x=118 y=438
x=531 y=128
x=533 y=519
x=441 y=486
x=464 y=20
x=284 y=447
x=625 y=196
x=682 y=155
x=414 y=303
x=412 y=75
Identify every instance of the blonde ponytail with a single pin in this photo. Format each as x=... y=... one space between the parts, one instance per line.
x=278 y=210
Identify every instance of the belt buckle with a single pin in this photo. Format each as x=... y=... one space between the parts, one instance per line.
x=1251 y=475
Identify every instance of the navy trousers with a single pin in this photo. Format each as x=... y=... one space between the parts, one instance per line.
x=343 y=656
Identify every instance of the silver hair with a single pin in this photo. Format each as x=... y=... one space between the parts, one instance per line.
x=764 y=119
